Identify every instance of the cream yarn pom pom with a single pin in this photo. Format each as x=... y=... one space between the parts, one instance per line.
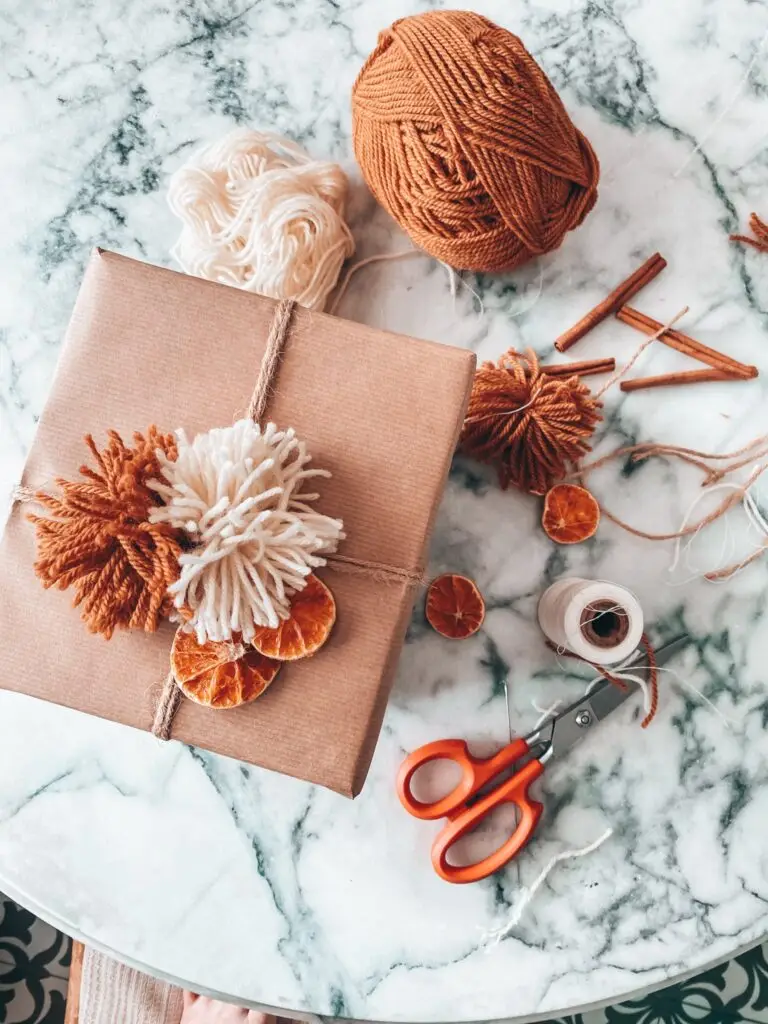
x=260 y=214
x=237 y=493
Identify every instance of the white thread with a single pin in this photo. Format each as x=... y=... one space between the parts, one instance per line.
x=495 y=415
x=729 y=722
x=259 y=213
x=640 y=682
x=754 y=514
x=376 y=258
x=495 y=936
x=237 y=493
x=452 y=275
x=687 y=549
x=754 y=517
x=475 y=295
x=727 y=486
x=545 y=713
x=536 y=297
x=561 y=610
x=593 y=683
x=726 y=110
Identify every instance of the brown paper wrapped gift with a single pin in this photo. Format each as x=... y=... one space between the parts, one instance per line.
x=380 y=411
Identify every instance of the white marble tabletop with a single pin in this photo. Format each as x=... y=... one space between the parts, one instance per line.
x=268 y=890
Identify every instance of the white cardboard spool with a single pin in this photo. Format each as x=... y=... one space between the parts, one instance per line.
x=561 y=613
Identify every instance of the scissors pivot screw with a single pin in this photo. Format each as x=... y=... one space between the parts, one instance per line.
x=583 y=719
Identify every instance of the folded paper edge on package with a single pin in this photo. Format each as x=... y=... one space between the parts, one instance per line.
x=381 y=411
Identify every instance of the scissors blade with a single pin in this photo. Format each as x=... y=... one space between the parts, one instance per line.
x=573 y=724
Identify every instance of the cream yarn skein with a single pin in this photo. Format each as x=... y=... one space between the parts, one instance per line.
x=259 y=213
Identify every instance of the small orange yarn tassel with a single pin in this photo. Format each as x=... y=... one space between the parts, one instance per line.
x=530 y=426
x=760 y=229
x=95 y=536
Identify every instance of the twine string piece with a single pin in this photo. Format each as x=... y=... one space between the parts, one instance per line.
x=273 y=353
x=638 y=352
x=167 y=706
x=757 y=449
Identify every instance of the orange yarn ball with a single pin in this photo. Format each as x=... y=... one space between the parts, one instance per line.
x=462 y=138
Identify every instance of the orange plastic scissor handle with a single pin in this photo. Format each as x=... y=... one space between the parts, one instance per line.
x=475 y=772
x=513 y=790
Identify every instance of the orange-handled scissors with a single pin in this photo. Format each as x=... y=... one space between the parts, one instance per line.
x=476 y=794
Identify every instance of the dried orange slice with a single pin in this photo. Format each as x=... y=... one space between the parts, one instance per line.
x=455 y=607
x=313 y=613
x=220 y=675
x=571 y=514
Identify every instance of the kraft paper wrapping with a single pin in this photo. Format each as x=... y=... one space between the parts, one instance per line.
x=382 y=412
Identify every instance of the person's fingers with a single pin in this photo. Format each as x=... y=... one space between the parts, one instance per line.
x=202 y=1010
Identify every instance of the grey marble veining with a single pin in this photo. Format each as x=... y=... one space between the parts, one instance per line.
x=266 y=889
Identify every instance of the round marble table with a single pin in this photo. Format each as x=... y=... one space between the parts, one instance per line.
x=264 y=889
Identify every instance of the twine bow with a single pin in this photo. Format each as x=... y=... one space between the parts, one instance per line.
x=170 y=698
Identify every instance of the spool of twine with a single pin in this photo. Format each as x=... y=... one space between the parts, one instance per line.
x=462 y=138
x=598 y=621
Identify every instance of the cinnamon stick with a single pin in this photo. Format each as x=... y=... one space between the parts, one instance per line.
x=667 y=380
x=618 y=297
x=584 y=369
x=685 y=344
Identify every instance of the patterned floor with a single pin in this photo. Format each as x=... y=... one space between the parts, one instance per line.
x=34 y=963
x=734 y=993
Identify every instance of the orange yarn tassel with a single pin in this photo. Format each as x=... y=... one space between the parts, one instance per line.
x=760 y=229
x=98 y=540
x=532 y=427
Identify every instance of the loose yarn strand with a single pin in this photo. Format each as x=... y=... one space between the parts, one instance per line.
x=497 y=935
x=376 y=258
x=726 y=110
x=721 y=509
x=536 y=297
x=544 y=714
x=699 y=497
x=682 y=681
x=453 y=277
x=645 y=451
x=639 y=452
